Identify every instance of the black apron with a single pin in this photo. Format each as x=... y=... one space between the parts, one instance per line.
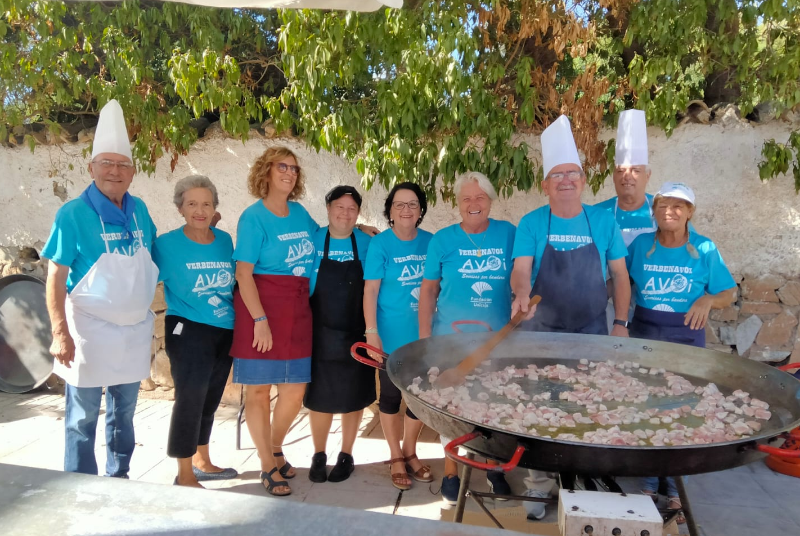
x=665 y=326
x=572 y=288
x=339 y=383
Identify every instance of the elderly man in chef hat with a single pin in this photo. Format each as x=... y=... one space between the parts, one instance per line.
x=632 y=207
x=100 y=284
x=563 y=252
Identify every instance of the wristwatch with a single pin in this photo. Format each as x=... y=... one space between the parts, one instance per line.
x=623 y=323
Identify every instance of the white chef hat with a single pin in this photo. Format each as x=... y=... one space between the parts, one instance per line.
x=111 y=135
x=558 y=145
x=678 y=190
x=631 y=148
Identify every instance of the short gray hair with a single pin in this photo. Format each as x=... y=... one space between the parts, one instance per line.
x=194 y=181
x=475 y=176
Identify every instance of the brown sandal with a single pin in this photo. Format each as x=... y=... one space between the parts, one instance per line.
x=674 y=504
x=397 y=478
x=423 y=474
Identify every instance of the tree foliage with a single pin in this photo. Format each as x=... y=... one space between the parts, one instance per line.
x=428 y=91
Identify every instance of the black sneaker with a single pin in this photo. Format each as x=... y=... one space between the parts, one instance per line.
x=343 y=468
x=318 y=472
x=497 y=484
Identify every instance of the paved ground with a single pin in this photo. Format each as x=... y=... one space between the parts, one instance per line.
x=745 y=501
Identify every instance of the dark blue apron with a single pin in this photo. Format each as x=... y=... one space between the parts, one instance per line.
x=572 y=288
x=665 y=326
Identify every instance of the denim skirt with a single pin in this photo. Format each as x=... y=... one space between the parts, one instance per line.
x=271 y=371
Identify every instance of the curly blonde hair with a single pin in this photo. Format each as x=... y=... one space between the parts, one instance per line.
x=258 y=178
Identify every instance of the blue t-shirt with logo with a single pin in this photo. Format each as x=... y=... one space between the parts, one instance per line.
x=473 y=287
x=567 y=234
x=632 y=223
x=671 y=279
x=77 y=238
x=399 y=265
x=339 y=250
x=198 y=278
x=275 y=245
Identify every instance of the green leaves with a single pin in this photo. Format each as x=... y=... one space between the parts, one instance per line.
x=422 y=93
x=779 y=156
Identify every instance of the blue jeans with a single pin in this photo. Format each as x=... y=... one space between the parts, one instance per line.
x=80 y=422
x=650 y=483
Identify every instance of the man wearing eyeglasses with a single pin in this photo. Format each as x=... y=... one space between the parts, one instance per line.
x=100 y=284
x=562 y=252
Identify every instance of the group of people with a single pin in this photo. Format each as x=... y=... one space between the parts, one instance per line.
x=283 y=306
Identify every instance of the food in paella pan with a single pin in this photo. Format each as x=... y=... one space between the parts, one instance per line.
x=604 y=403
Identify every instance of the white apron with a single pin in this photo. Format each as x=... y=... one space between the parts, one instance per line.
x=629 y=235
x=109 y=318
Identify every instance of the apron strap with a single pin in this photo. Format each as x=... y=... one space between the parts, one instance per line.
x=103 y=225
x=327 y=245
x=141 y=234
x=355 y=247
x=550 y=219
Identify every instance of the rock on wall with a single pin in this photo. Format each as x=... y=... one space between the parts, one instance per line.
x=755 y=224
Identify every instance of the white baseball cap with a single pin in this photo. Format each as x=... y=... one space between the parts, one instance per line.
x=677 y=190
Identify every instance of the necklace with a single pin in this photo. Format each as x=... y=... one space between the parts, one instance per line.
x=280 y=213
x=477 y=247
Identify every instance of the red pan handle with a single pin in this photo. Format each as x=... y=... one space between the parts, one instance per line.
x=368 y=360
x=790 y=366
x=476 y=322
x=779 y=452
x=451 y=451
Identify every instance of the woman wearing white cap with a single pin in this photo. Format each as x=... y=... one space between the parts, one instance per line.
x=679 y=277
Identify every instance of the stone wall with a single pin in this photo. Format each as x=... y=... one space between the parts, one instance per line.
x=762 y=324
x=755 y=224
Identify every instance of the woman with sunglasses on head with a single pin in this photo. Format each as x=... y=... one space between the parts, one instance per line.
x=395 y=266
x=339 y=384
x=272 y=332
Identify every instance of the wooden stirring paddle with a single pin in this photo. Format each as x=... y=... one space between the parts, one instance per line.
x=456 y=375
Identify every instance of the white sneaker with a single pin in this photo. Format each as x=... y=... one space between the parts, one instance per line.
x=536 y=510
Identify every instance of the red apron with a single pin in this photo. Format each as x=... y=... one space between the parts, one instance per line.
x=285 y=302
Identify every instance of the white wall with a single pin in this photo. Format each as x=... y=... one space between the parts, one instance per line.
x=756 y=225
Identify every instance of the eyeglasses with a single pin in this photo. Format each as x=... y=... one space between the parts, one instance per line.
x=108 y=165
x=283 y=168
x=571 y=175
x=400 y=205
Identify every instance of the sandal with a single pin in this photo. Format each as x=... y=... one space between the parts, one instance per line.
x=423 y=474
x=398 y=478
x=274 y=484
x=286 y=467
x=674 y=505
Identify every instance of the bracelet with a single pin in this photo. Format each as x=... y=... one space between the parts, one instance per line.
x=260 y=319
x=371 y=331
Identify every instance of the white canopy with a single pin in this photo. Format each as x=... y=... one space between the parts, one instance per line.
x=343 y=5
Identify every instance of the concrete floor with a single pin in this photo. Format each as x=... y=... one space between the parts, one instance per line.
x=745 y=501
